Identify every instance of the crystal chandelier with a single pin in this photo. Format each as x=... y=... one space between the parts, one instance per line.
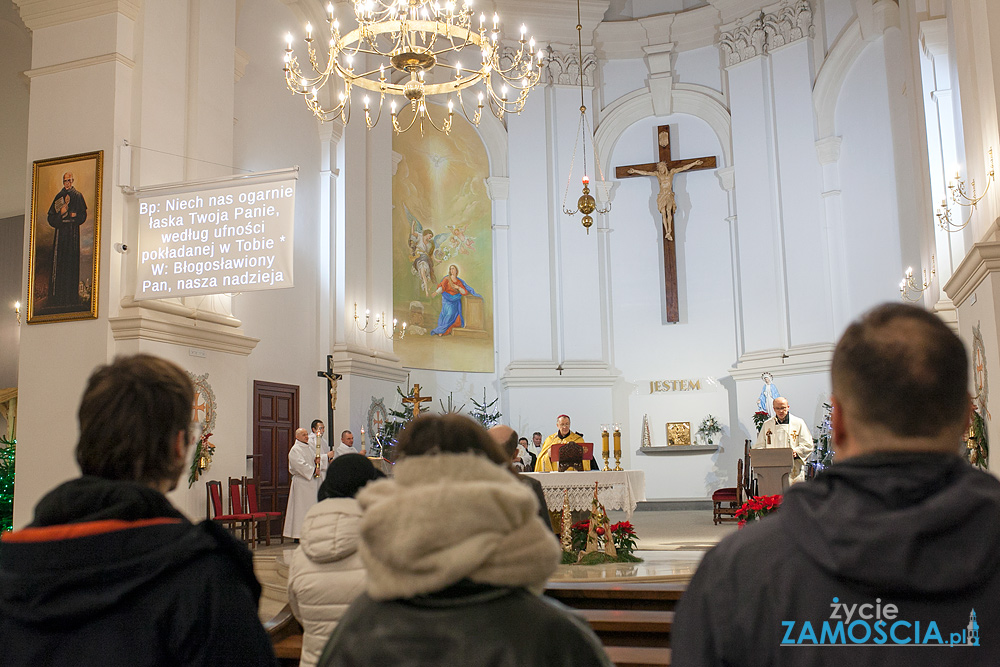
x=427 y=41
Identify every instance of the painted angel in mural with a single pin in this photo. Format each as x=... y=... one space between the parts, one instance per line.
x=427 y=249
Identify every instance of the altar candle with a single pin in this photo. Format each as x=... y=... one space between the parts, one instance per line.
x=618 y=442
x=363 y=439
x=604 y=442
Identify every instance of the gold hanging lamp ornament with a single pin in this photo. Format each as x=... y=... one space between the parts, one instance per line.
x=414 y=37
x=586 y=204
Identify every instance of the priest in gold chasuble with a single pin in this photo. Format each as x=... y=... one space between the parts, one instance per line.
x=563 y=435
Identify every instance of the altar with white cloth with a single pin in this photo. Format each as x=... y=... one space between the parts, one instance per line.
x=616 y=490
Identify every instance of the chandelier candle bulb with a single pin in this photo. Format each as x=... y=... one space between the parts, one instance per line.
x=309 y=32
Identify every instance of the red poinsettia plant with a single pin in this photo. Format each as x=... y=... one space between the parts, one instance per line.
x=623 y=534
x=757 y=507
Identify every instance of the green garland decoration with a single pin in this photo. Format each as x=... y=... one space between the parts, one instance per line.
x=6 y=483
x=977 y=450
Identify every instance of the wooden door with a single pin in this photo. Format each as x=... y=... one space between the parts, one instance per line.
x=275 y=418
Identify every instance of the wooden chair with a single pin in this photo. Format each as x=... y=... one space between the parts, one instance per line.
x=726 y=501
x=214 y=510
x=236 y=501
x=748 y=481
x=252 y=491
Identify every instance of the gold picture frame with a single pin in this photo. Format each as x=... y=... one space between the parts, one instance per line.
x=64 y=252
x=678 y=434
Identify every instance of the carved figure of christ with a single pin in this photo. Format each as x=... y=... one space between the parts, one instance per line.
x=664 y=171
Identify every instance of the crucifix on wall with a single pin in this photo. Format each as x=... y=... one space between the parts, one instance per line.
x=664 y=170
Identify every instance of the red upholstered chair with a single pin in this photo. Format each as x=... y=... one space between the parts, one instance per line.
x=726 y=501
x=238 y=506
x=252 y=491
x=214 y=511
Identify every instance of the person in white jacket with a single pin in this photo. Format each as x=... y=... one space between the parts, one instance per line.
x=326 y=572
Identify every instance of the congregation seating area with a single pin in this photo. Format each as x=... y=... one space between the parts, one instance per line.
x=632 y=620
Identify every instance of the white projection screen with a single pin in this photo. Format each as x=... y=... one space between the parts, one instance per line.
x=216 y=237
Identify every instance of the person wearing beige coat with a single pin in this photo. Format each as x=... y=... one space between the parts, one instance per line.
x=326 y=572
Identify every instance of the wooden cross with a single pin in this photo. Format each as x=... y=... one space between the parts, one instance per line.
x=664 y=170
x=417 y=399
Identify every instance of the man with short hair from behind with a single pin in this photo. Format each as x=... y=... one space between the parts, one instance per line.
x=506 y=437
x=890 y=556
x=108 y=572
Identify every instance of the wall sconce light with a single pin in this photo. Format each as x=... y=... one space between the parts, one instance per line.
x=908 y=288
x=17 y=311
x=963 y=197
x=380 y=323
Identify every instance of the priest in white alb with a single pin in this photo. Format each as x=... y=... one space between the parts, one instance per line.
x=307 y=466
x=787 y=430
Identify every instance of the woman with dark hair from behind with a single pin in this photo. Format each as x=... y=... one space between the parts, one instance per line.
x=326 y=572
x=456 y=560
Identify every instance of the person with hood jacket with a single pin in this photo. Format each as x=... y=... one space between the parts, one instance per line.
x=326 y=572
x=108 y=572
x=456 y=559
x=889 y=557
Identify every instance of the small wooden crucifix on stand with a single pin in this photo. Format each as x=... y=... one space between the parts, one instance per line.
x=416 y=400
x=664 y=171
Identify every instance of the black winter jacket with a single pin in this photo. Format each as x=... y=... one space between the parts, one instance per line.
x=109 y=573
x=468 y=625
x=887 y=559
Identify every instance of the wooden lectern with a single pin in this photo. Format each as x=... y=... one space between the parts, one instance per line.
x=772 y=468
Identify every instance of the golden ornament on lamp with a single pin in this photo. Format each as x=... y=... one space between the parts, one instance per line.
x=413 y=37
x=586 y=204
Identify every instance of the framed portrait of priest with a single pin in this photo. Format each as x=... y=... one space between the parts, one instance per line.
x=65 y=238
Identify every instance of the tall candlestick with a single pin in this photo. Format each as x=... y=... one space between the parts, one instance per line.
x=604 y=446
x=363 y=450
x=618 y=447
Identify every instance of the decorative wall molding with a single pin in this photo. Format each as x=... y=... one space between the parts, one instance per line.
x=38 y=14
x=840 y=60
x=497 y=187
x=828 y=150
x=546 y=374
x=727 y=178
x=772 y=27
x=240 y=60
x=141 y=326
x=796 y=360
x=380 y=366
x=563 y=67
x=983 y=259
x=686 y=98
x=83 y=62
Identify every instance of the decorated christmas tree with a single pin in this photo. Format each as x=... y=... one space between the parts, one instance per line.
x=822 y=456
x=384 y=442
x=6 y=484
x=481 y=411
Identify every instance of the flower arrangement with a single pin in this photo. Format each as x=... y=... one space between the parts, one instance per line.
x=622 y=534
x=759 y=418
x=202 y=459
x=709 y=427
x=756 y=508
